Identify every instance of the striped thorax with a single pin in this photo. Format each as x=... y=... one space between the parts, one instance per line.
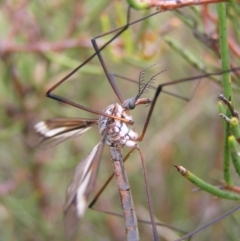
x=118 y=132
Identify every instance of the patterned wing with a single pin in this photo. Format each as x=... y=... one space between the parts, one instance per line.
x=79 y=190
x=54 y=131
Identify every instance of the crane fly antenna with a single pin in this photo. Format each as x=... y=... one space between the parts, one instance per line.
x=152 y=87
x=143 y=87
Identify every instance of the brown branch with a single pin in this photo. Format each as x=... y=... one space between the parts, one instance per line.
x=173 y=4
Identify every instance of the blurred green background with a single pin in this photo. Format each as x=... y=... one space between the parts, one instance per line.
x=41 y=42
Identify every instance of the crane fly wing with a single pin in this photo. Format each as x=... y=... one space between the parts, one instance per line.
x=79 y=190
x=54 y=131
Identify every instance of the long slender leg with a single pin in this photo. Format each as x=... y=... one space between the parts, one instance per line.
x=110 y=78
x=152 y=87
x=97 y=51
x=189 y=235
x=64 y=100
x=159 y=90
x=141 y=220
x=149 y=199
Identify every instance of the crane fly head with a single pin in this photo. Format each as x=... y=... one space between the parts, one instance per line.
x=143 y=87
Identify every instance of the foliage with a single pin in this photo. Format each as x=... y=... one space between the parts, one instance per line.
x=41 y=42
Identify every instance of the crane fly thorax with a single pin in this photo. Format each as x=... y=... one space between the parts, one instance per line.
x=118 y=132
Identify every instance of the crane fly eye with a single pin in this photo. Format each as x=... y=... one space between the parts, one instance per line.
x=131 y=104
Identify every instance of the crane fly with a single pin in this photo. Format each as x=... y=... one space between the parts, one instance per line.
x=116 y=134
x=113 y=124
x=55 y=131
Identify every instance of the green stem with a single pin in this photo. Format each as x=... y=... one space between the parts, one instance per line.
x=234 y=124
x=227 y=89
x=234 y=153
x=226 y=157
x=224 y=50
x=221 y=110
x=205 y=186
